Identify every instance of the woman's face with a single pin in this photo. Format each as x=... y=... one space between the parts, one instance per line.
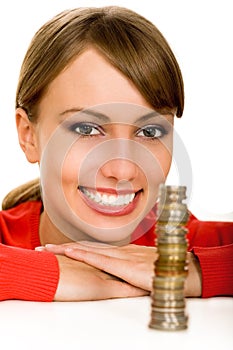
x=103 y=151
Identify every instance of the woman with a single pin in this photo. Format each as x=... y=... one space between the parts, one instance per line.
x=97 y=95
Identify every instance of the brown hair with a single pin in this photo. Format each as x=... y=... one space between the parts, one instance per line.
x=30 y=191
x=131 y=43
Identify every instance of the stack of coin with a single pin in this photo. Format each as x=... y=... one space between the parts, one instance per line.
x=168 y=301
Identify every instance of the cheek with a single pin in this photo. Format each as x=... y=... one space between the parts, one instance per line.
x=45 y=134
x=165 y=158
x=80 y=165
x=71 y=165
x=162 y=156
x=157 y=173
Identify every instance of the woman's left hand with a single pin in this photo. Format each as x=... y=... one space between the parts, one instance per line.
x=131 y=263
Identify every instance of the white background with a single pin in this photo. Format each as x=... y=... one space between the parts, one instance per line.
x=112 y=325
x=200 y=34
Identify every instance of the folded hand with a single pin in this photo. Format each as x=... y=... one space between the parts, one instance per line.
x=132 y=263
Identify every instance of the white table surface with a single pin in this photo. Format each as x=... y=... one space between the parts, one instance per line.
x=112 y=324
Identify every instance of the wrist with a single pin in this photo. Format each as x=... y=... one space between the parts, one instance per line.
x=193 y=283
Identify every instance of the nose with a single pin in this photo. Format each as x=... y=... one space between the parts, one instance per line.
x=120 y=170
x=121 y=164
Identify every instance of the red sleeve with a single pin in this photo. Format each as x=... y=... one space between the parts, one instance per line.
x=217 y=270
x=209 y=233
x=27 y=274
x=212 y=244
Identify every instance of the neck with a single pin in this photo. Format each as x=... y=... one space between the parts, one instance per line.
x=50 y=234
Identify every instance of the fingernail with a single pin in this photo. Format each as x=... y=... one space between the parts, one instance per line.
x=40 y=249
x=50 y=245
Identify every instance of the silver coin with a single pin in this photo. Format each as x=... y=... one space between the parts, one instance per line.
x=168 y=326
x=168 y=303
x=165 y=295
x=162 y=310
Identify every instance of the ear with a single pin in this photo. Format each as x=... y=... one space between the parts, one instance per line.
x=27 y=135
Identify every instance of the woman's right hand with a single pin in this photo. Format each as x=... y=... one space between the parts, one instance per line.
x=79 y=281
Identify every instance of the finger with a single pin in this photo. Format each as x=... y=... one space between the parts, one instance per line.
x=95 y=244
x=128 y=252
x=102 y=249
x=40 y=249
x=113 y=265
x=83 y=245
x=117 y=251
x=58 y=249
x=101 y=261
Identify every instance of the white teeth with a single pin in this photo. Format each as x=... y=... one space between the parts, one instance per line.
x=105 y=199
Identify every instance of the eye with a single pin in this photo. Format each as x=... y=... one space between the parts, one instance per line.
x=152 y=132
x=85 y=129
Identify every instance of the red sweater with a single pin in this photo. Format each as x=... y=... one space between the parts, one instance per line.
x=27 y=274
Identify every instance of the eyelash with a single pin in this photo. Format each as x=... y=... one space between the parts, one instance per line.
x=157 y=128
x=98 y=131
x=75 y=126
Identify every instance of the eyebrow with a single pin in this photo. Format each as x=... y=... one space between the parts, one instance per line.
x=152 y=114
x=106 y=119
x=93 y=113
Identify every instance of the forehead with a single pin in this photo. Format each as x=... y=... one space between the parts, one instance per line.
x=90 y=80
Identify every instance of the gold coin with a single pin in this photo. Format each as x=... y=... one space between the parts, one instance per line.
x=168 y=282
x=169 y=273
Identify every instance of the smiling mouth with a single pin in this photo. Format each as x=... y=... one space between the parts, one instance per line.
x=110 y=203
